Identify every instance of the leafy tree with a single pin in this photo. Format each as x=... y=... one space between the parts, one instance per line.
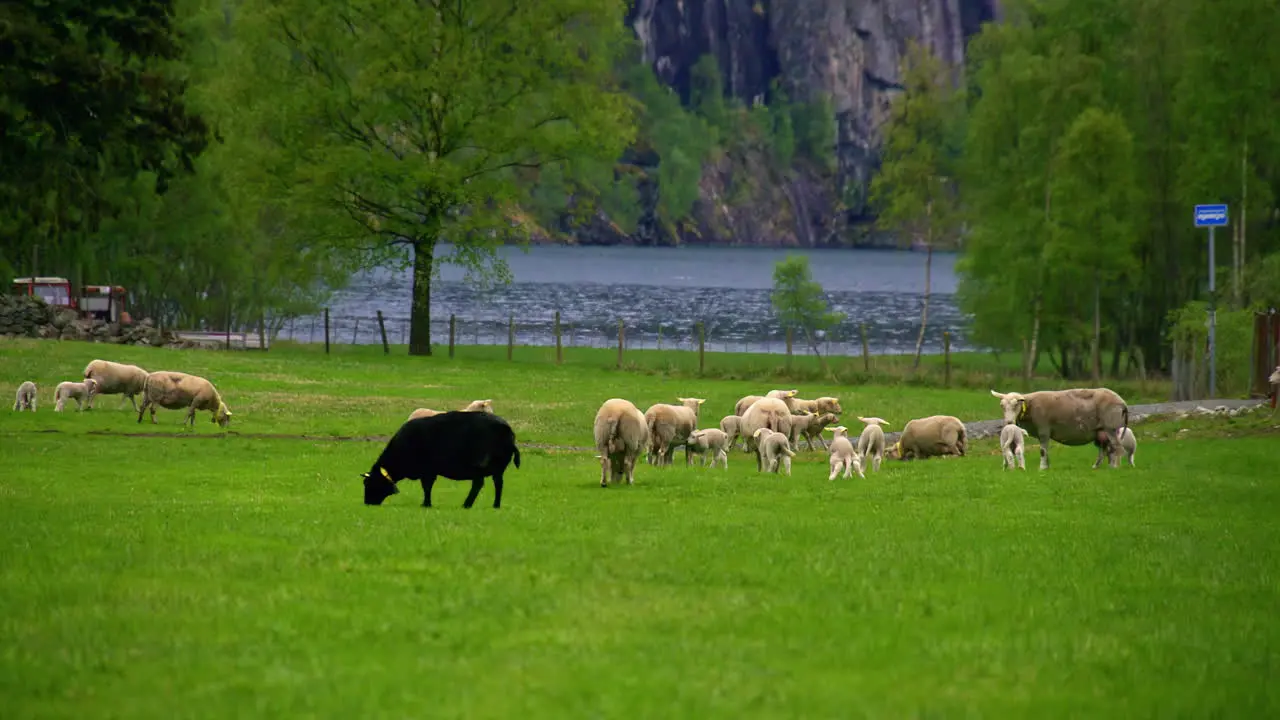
x=706 y=92
x=814 y=123
x=400 y=124
x=914 y=189
x=800 y=303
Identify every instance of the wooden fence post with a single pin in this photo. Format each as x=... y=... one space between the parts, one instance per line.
x=788 y=347
x=659 y=336
x=382 y=328
x=355 y=332
x=228 y=321
x=453 y=329
x=511 y=335
x=702 y=347
x=559 y=350
x=621 y=342
x=946 y=358
x=262 y=331
x=326 y=331
x=866 y=349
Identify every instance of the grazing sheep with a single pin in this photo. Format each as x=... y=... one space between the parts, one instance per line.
x=715 y=442
x=669 y=427
x=745 y=403
x=810 y=426
x=1128 y=444
x=770 y=413
x=1072 y=417
x=731 y=425
x=422 y=412
x=842 y=456
x=621 y=433
x=1013 y=440
x=457 y=445
x=117 y=379
x=26 y=397
x=81 y=392
x=929 y=436
x=772 y=450
x=872 y=442
x=474 y=406
x=176 y=391
x=817 y=406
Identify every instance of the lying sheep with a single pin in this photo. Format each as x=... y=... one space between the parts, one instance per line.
x=930 y=436
x=842 y=456
x=26 y=397
x=1072 y=417
x=621 y=433
x=1013 y=440
x=456 y=445
x=176 y=391
x=772 y=450
x=117 y=379
x=669 y=426
x=810 y=426
x=1128 y=445
x=474 y=406
x=709 y=441
x=81 y=392
x=786 y=396
x=818 y=406
x=731 y=425
x=872 y=442
x=771 y=413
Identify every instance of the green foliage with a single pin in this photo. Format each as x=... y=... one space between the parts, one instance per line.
x=814 y=125
x=706 y=93
x=799 y=301
x=1233 y=341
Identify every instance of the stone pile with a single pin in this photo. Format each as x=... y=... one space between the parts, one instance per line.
x=25 y=316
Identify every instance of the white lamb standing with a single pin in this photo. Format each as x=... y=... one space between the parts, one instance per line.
x=842 y=455
x=1128 y=444
x=773 y=450
x=731 y=425
x=26 y=397
x=81 y=392
x=1013 y=443
x=710 y=442
x=872 y=442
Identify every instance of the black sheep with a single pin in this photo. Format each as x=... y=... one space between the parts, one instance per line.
x=457 y=445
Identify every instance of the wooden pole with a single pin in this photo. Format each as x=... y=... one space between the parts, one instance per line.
x=511 y=336
x=946 y=358
x=262 y=331
x=355 y=332
x=702 y=348
x=326 y=331
x=228 y=320
x=559 y=349
x=659 y=336
x=453 y=328
x=866 y=348
x=621 y=342
x=382 y=328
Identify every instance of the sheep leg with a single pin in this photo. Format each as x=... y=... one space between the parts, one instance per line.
x=606 y=465
x=143 y=410
x=427 y=482
x=497 y=490
x=629 y=468
x=1044 y=453
x=476 y=484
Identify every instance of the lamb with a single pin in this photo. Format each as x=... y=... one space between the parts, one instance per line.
x=669 y=426
x=712 y=441
x=772 y=450
x=1128 y=444
x=930 y=436
x=1072 y=417
x=621 y=432
x=745 y=403
x=810 y=426
x=458 y=445
x=842 y=456
x=731 y=425
x=81 y=392
x=871 y=441
x=26 y=397
x=117 y=379
x=176 y=391
x=771 y=413
x=474 y=406
x=817 y=406
x=1013 y=440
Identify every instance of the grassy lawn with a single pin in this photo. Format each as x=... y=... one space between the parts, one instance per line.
x=242 y=577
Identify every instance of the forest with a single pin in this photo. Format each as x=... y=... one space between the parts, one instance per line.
x=224 y=158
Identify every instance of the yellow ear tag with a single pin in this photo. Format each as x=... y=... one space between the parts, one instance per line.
x=384 y=472
x=1023 y=413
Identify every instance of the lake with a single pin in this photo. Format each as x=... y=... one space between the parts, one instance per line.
x=659 y=294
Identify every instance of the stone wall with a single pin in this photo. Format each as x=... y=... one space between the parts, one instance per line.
x=24 y=316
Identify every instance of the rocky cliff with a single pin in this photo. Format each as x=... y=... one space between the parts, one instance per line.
x=845 y=50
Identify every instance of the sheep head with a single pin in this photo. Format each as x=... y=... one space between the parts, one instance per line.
x=840 y=431
x=874 y=421
x=222 y=416
x=829 y=405
x=378 y=486
x=1014 y=406
x=692 y=403
x=762 y=432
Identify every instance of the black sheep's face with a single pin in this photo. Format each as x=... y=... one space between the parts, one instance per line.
x=378 y=487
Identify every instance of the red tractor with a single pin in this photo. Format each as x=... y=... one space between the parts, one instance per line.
x=104 y=302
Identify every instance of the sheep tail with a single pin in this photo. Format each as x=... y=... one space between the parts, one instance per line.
x=1124 y=413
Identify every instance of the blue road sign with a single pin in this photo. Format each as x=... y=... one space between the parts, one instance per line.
x=1211 y=215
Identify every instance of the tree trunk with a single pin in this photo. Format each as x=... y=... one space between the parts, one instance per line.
x=1033 y=351
x=420 y=309
x=924 y=311
x=813 y=343
x=1096 y=351
x=1244 y=208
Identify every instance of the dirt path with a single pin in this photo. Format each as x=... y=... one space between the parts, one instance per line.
x=976 y=430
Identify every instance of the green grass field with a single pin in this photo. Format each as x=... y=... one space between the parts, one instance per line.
x=159 y=575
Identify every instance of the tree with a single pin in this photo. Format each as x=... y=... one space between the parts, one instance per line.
x=399 y=125
x=800 y=303
x=914 y=189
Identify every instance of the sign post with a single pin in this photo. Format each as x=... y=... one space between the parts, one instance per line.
x=1212 y=216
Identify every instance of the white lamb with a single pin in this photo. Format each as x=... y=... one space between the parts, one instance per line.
x=731 y=425
x=1013 y=443
x=842 y=455
x=872 y=442
x=772 y=450
x=26 y=397
x=712 y=442
x=81 y=392
x=1127 y=440
x=473 y=406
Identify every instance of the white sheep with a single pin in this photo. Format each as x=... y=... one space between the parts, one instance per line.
x=116 y=379
x=769 y=413
x=1127 y=440
x=809 y=426
x=176 y=391
x=816 y=406
x=786 y=396
x=620 y=434
x=669 y=427
x=473 y=406
x=731 y=425
x=81 y=392
x=772 y=450
x=871 y=441
x=26 y=397
x=842 y=456
x=711 y=442
x=1013 y=442
x=421 y=413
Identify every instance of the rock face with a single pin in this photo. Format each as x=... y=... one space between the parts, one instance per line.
x=23 y=316
x=848 y=50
